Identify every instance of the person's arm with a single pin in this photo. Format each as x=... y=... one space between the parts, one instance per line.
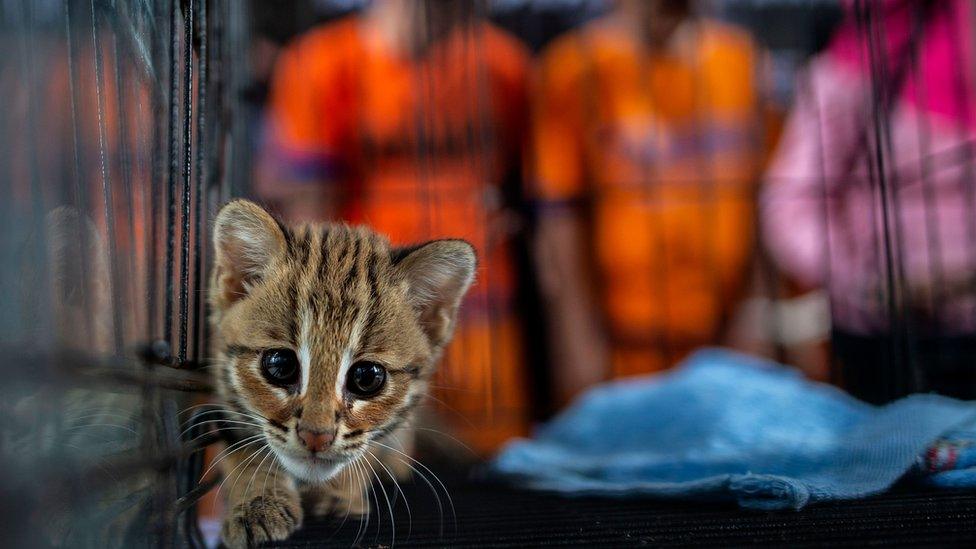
x=578 y=345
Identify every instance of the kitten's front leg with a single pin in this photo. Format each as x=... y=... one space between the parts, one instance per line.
x=343 y=496
x=262 y=504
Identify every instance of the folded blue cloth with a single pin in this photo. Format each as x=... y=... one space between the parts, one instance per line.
x=725 y=426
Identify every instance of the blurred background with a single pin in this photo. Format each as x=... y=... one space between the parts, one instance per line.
x=641 y=178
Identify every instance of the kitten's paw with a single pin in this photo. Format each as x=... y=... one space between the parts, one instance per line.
x=264 y=518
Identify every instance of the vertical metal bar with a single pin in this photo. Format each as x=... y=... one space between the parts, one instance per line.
x=470 y=152
x=194 y=464
x=881 y=369
x=769 y=282
x=201 y=173
x=906 y=336
x=419 y=98
x=36 y=197
x=174 y=168
x=885 y=183
x=187 y=166
x=487 y=143
x=125 y=168
x=827 y=196
x=153 y=408
x=154 y=203
x=108 y=203
x=216 y=174
x=80 y=181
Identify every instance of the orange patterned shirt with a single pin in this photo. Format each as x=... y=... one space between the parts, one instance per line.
x=420 y=148
x=663 y=148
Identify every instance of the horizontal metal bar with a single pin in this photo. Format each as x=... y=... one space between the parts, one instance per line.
x=65 y=367
x=163 y=378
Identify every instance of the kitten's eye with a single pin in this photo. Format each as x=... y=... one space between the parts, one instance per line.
x=365 y=379
x=280 y=366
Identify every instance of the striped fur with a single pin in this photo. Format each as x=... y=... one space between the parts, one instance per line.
x=335 y=295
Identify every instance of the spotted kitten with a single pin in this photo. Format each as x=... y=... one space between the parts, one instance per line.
x=325 y=338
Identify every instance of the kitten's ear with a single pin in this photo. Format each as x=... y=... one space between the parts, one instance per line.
x=246 y=239
x=438 y=274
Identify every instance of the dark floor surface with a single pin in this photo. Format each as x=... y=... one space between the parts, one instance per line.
x=492 y=515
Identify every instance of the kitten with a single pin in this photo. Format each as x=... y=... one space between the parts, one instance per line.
x=325 y=338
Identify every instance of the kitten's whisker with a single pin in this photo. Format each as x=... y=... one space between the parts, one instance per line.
x=130 y=417
x=227 y=476
x=437 y=496
x=126 y=428
x=231 y=449
x=243 y=463
x=450 y=408
x=386 y=497
x=255 y=415
x=98 y=463
x=57 y=439
x=473 y=392
x=247 y=488
x=367 y=491
x=215 y=431
x=221 y=411
x=345 y=473
x=398 y=487
x=365 y=517
x=455 y=439
x=275 y=465
x=274 y=483
x=216 y=408
x=188 y=429
x=363 y=520
x=447 y=493
x=195 y=406
x=369 y=483
x=202 y=415
x=254 y=473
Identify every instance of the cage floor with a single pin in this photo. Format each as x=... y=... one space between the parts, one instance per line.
x=492 y=515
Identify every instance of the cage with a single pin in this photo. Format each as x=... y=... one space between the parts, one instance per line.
x=123 y=132
x=794 y=181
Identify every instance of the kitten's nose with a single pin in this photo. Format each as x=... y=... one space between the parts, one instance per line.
x=315 y=441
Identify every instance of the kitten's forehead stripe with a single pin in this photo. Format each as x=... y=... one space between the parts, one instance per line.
x=289 y=244
x=293 y=308
x=352 y=274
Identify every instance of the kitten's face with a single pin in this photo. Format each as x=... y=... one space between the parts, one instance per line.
x=324 y=334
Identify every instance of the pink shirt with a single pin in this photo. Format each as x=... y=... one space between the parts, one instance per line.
x=822 y=216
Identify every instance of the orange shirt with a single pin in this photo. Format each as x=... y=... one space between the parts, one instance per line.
x=419 y=148
x=664 y=147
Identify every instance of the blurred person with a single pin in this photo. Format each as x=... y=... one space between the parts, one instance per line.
x=822 y=212
x=646 y=144
x=410 y=118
